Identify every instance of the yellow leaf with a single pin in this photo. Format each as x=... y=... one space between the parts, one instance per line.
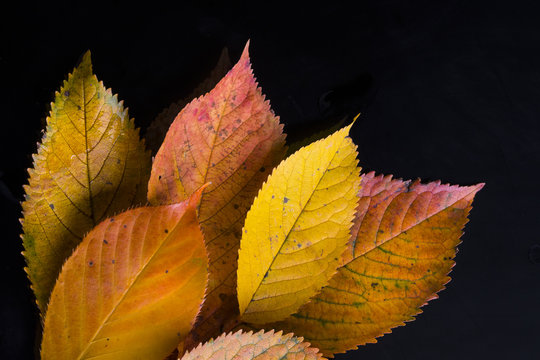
x=259 y=346
x=297 y=229
x=404 y=242
x=90 y=165
x=132 y=288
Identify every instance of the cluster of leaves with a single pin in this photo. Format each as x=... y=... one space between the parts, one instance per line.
x=237 y=237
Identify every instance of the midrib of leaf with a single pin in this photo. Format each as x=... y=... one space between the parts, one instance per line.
x=296 y=220
x=354 y=257
x=88 y=176
x=215 y=136
x=130 y=287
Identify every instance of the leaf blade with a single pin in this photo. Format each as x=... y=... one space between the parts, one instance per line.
x=367 y=298
x=231 y=138
x=91 y=164
x=259 y=346
x=297 y=228
x=137 y=268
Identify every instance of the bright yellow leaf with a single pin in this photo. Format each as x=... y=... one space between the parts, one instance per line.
x=132 y=288
x=91 y=164
x=297 y=229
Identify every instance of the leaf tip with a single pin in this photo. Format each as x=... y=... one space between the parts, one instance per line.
x=195 y=198
x=245 y=52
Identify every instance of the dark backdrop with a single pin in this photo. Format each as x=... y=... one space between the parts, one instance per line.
x=448 y=90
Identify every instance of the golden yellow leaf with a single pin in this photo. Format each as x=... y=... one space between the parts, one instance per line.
x=231 y=138
x=297 y=229
x=259 y=346
x=131 y=289
x=404 y=242
x=91 y=164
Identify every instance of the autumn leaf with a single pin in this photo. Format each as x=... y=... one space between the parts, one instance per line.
x=403 y=250
x=155 y=134
x=259 y=346
x=132 y=288
x=297 y=229
x=90 y=164
x=231 y=138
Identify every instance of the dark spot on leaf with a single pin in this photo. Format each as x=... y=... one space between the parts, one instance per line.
x=374 y=285
x=159 y=177
x=108 y=339
x=118 y=161
x=166 y=231
x=299 y=245
x=428 y=270
x=78 y=107
x=166 y=271
x=66 y=93
x=417 y=246
x=236 y=206
x=262 y=169
x=51 y=206
x=178 y=334
x=91 y=263
x=125 y=226
x=285 y=200
x=105 y=242
x=112 y=219
x=113 y=261
x=273 y=196
x=222 y=297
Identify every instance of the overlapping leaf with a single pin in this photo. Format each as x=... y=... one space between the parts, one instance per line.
x=132 y=288
x=298 y=228
x=403 y=250
x=231 y=138
x=91 y=164
x=259 y=346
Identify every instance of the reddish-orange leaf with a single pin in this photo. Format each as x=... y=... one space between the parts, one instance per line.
x=132 y=288
x=405 y=243
x=231 y=138
x=249 y=346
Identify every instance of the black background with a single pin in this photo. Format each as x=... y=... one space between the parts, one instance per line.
x=448 y=90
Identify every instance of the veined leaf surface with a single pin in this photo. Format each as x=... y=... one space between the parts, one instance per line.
x=90 y=164
x=403 y=250
x=231 y=138
x=132 y=288
x=259 y=346
x=297 y=229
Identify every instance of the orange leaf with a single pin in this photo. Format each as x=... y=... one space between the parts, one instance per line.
x=406 y=238
x=259 y=346
x=231 y=138
x=131 y=289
